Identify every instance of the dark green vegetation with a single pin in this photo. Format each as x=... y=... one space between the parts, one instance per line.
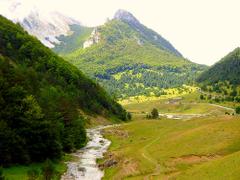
x=227 y=69
x=153 y=115
x=221 y=81
x=131 y=59
x=221 y=92
x=40 y=99
x=238 y=110
x=1 y=174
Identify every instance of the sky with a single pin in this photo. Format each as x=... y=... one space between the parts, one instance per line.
x=204 y=31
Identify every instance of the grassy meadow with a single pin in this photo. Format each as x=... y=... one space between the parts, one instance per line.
x=20 y=172
x=200 y=148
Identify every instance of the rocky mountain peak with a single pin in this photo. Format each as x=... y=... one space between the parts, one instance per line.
x=125 y=16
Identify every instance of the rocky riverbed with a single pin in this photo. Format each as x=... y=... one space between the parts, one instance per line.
x=86 y=168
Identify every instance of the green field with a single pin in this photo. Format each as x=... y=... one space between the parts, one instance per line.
x=20 y=172
x=187 y=104
x=201 y=148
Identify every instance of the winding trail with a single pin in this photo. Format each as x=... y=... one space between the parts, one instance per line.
x=146 y=156
x=223 y=107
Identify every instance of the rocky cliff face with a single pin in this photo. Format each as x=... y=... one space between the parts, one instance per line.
x=46 y=30
x=46 y=27
x=93 y=39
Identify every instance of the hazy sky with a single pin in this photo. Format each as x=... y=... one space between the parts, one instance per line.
x=202 y=30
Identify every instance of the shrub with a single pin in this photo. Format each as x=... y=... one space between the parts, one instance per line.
x=201 y=97
x=154 y=113
x=238 y=110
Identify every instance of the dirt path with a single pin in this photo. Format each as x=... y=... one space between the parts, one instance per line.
x=223 y=107
x=146 y=156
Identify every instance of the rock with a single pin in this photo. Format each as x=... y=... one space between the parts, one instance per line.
x=93 y=39
x=107 y=164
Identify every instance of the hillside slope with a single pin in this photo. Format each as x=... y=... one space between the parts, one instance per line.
x=40 y=98
x=129 y=59
x=227 y=69
x=146 y=33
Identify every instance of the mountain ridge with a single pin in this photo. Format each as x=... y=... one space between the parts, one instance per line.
x=154 y=37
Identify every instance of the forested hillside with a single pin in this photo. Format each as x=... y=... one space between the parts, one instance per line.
x=40 y=98
x=227 y=69
x=129 y=59
x=223 y=78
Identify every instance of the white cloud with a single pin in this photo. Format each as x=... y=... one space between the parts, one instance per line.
x=202 y=30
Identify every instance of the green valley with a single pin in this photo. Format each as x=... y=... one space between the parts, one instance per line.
x=88 y=97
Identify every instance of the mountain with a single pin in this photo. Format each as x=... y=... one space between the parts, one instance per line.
x=123 y=55
x=127 y=58
x=227 y=69
x=145 y=32
x=41 y=97
x=45 y=26
x=47 y=29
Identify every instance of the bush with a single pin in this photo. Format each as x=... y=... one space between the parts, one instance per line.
x=129 y=116
x=154 y=113
x=202 y=97
x=238 y=110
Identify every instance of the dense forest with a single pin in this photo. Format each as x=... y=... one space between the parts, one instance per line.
x=227 y=69
x=40 y=99
x=221 y=81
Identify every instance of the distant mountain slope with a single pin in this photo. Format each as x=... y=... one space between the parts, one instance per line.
x=45 y=26
x=145 y=32
x=47 y=29
x=40 y=98
x=227 y=69
x=129 y=59
x=70 y=43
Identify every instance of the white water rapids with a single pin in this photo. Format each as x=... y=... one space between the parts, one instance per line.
x=86 y=167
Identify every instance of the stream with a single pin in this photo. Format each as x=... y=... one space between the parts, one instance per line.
x=86 y=168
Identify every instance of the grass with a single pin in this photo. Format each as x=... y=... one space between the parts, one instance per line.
x=189 y=104
x=170 y=93
x=223 y=168
x=21 y=171
x=200 y=148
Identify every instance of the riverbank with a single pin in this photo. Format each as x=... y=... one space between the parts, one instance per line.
x=86 y=167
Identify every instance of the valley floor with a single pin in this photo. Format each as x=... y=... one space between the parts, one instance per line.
x=205 y=147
